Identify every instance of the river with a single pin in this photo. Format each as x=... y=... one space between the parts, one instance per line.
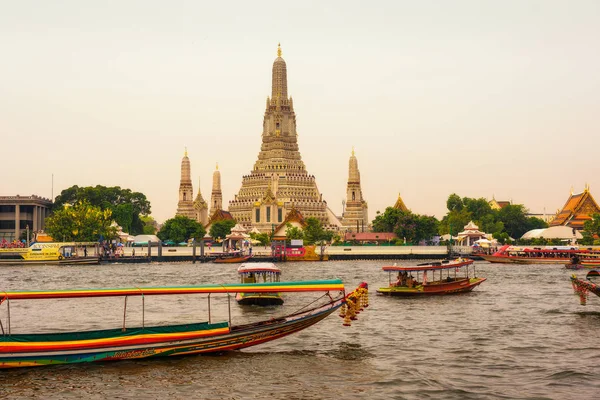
x=520 y=335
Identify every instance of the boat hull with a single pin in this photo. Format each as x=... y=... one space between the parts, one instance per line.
x=433 y=289
x=64 y=261
x=259 y=299
x=524 y=260
x=41 y=349
x=231 y=260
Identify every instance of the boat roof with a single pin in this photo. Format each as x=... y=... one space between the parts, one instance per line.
x=298 y=286
x=258 y=267
x=428 y=267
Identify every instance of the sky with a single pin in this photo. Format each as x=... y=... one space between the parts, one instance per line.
x=479 y=98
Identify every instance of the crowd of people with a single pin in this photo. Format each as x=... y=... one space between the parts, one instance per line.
x=5 y=244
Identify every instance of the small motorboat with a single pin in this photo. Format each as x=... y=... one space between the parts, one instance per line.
x=263 y=272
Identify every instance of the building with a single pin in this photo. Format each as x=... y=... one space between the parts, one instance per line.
x=279 y=180
x=201 y=207
x=355 y=217
x=498 y=205
x=185 y=206
x=17 y=213
x=216 y=198
x=579 y=208
x=400 y=204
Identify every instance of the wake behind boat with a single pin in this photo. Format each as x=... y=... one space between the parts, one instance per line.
x=38 y=349
x=436 y=278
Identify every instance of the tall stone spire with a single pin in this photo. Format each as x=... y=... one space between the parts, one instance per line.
x=216 y=198
x=279 y=85
x=185 y=206
x=280 y=168
x=355 y=217
x=201 y=207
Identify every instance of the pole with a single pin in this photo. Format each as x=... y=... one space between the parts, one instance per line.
x=193 y=251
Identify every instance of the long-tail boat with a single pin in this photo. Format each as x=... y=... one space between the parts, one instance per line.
x=435 y=278
x=232 y=259
x=38 y=349
x=255 y=273
x=582 y=287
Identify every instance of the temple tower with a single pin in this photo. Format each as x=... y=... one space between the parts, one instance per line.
x=355 y=217
x=279 y=179
x=201 y=208
x=216 y=198
x=185 y=206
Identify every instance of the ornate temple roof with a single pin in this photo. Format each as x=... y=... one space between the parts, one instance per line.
x=200 y=203
x=219 y=215
x=579 y=208
x=400 y=204
x=498 y=205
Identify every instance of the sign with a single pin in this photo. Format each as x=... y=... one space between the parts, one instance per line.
x=297 y=243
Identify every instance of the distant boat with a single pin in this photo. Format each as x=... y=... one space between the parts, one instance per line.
x=259 y=273
x=536 y=255
x=436 y=278
x=234 y=258
x=44 y=254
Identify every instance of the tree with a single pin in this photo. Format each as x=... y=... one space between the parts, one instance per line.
x=220 y=229
x=387 y=221
x=180 y=229
x=315 y=233
x=293 y=232
x=263 y=238
x=149 y=225
x=591 y=230
x=454 y=202
x=405 y=224
x=126 y=206
x=514 y=219
x=82 y=222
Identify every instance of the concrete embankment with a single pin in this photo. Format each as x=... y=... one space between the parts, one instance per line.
x=186 y=254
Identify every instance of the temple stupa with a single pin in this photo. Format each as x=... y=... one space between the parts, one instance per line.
x=279 y=180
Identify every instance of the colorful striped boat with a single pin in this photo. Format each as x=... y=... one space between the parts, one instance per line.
x=38 y=349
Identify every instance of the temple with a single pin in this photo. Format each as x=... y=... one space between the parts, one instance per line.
x=400 y=204
x=578 y=209
x=216 y=198
x=279 y=180
x=355 y=216
x=201 y=208
x=185 y=206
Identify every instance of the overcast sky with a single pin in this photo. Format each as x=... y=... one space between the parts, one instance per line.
x=481 y=98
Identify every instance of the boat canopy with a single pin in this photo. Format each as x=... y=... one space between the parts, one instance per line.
x=258 y=268
x=300 y=286
x=429 y=267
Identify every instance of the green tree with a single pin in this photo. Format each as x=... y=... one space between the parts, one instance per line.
x=126 y=206
x=263 y=238
x=220 y=229
x=591 y=230
x=514 y=219
x=293 y=232
x=180 y=229
x=315 y=233
x=454 y=202
x=82 y=222
x=387 y=221
x=149 y=225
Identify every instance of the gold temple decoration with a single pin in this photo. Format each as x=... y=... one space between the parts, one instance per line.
x=278 y=49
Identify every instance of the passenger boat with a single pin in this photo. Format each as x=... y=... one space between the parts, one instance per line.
x=44 y=254
x=435 y=278
x=257 y=273
x=233 y=259
x=585 y=260
x=538 y=255
x=38 y=349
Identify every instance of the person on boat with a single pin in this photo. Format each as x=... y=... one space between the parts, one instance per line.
x=410 y=283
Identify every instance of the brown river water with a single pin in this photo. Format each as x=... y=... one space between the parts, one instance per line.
x=522 y=334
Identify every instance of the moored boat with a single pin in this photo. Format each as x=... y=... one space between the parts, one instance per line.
x=436 y=278
x=232 y=259
x=44 y=254
x=38 y=349
x=257 y=273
